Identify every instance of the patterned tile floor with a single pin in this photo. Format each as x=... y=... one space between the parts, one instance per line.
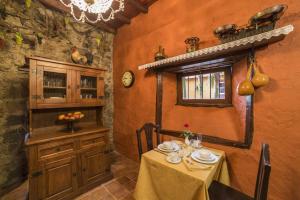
x=125 y=173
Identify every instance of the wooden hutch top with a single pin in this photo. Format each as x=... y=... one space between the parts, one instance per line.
x=57 y=84
x=56 y=88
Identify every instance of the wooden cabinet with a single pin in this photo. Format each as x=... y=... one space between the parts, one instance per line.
x=58 y=178
x=55 y=84
x=66 y=166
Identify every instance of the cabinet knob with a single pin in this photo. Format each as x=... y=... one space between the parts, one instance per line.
x=74 y=174
x=83 y=169
x=69 y=86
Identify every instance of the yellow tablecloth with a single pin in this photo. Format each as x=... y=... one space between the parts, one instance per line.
x=160 y=180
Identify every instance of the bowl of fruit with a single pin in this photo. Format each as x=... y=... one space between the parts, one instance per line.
x=70 y=119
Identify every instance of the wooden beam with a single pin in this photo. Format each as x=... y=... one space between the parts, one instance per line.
x=123 y=18
x=104 y=26
x=138 y=5
x=55 y=4
x=150 y=2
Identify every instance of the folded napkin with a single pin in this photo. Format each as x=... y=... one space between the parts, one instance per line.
x=190 y=165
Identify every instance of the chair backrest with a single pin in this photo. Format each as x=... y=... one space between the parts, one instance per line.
x=264 y=169
x=148 y=128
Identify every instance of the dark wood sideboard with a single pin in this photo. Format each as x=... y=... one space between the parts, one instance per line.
x=64 y=164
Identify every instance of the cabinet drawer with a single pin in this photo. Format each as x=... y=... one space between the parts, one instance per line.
x=92 y=140
x=56 y=149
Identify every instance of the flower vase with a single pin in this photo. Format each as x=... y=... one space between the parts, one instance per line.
x=187 y=141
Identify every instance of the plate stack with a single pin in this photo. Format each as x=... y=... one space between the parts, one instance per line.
x=169 y=147
x=204 y=156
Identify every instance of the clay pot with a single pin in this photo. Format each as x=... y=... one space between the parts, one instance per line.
x=245 y=87
x=259 y=79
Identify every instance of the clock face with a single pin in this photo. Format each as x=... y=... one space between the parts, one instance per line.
x=128 y=78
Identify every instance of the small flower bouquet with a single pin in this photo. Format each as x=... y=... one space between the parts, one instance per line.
x=187 y=134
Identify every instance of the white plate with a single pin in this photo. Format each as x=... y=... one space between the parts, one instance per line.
x=197 y=155
x=199 y=146
x=214 y=160
x=168 y=158
x=175 y=148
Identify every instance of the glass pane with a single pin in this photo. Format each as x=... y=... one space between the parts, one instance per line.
x=88 y=87
x=88 y=82
x=198 y=87
x=191 y=84
x=221 y=85
x=206 y=86
x=184 y=88
x=54 y=85
x=214 y=91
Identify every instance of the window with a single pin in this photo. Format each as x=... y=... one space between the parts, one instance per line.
x=205 y=88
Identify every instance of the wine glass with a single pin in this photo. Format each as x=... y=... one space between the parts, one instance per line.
x=196 y=142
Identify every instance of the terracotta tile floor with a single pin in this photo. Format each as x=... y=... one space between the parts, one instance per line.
x=125 y=173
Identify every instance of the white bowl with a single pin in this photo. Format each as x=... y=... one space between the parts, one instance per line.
x=204 y=154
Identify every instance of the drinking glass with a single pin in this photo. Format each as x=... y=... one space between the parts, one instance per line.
x=196 y=142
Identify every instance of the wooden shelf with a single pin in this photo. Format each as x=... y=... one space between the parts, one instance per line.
x=60 y=88
x=224 y=54
x=88 y=88
x=47 y=134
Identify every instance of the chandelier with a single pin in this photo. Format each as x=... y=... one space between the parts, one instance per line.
x=101 y=8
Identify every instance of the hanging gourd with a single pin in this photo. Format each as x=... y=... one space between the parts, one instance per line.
x=259 y=79
x=40 y=38
x=98 y=41
x=27 y=3
x=67 y=20
x=19 y=38
x=245 y=87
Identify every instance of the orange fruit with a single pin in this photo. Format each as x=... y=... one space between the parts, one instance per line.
x=61 y=117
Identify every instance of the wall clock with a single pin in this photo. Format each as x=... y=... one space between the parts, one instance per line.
x=128 y=79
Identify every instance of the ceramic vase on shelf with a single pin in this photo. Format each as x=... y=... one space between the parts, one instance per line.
x=192 y=44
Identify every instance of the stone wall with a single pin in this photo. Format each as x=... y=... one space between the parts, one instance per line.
x=49 y=34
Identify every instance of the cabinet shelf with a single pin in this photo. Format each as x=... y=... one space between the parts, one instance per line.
x=55 y=88
x=89 y=89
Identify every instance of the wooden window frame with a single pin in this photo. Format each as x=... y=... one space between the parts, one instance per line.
x=227 y=102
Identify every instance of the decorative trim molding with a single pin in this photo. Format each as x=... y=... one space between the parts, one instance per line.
x=244 y=42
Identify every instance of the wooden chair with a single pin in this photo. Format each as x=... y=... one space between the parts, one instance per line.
x=148 y=128
x=219 y=191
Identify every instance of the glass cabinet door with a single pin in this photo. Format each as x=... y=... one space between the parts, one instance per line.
x=89 y=89
x=52 y=85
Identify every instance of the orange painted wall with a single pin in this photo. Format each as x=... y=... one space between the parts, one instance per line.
x=276 y=108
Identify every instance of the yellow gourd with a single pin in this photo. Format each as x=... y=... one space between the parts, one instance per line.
x=259 y=79
x=245 y=87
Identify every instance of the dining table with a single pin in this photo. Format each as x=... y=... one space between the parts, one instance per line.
x=187 y=180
